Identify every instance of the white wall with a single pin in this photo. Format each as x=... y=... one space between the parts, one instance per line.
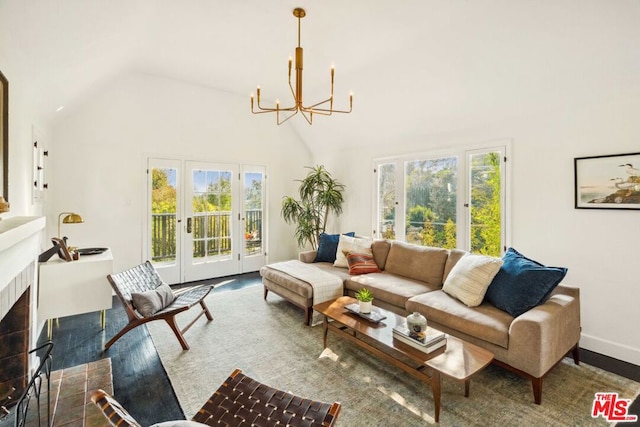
x=98 y=161
x=23 y=116
x=599 y=247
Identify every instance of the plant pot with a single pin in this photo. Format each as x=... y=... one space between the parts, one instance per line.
x=365 y=307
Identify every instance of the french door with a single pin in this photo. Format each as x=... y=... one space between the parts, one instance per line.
x=210 y=203
x=205 y=219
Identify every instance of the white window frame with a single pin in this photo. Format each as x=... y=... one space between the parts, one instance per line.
x=463 y=195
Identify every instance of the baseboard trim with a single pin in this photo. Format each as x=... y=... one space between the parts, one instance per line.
x=612 y=349
x=619 y=367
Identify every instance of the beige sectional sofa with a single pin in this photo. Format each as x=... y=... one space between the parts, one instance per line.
x=411 y=279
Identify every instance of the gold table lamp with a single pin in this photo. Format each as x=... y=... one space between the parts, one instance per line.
x=70 y=218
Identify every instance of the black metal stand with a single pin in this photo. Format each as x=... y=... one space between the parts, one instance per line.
x=34 y=389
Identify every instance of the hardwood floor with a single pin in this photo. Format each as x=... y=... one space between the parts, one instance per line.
x=140 y=382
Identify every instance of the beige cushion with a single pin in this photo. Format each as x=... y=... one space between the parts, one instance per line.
x=390 y=288
x=417 y=262
x=380 y=250
x=351 y=244
x=277 y=281
x=150 y=302
x=470 y=278
x=485 y=321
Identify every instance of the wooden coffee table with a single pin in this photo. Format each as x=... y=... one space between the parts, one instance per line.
x=459 y=360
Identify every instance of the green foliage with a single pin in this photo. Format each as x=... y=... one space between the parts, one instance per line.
x=364 y=295
x=431 y=201
x=449 y=234
x=217 y=197
x=253 y=195
x=419 y=215
x=163 y=201
x=428 y=234
x=320 y=194
x=389 y=234
x=387 y=191
x=485 y=205
x=163 y=195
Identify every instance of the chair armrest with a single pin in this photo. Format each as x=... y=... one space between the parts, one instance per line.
x=308 y=256
x=542 y=336
x=113 y=410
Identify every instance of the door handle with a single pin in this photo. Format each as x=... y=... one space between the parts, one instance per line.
x=188 y=225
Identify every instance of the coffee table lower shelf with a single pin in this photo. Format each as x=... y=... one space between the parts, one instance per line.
x=468 y=359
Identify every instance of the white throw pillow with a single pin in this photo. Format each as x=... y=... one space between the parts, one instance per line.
x=150 y=302
x=470 y=278
x=351 y=244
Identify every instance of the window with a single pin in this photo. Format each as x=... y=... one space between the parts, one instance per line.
x=485 y=207
x=430 y=206
x=387 y=200
x=211 y=213
x=448 y=200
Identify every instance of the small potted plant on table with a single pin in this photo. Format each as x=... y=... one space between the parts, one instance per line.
x=364 y=297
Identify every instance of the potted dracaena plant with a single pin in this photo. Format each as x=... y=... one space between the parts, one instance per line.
x=364 y=297
x=320 y=195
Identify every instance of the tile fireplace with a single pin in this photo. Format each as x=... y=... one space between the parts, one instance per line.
x=19 y=248
x=15 y=332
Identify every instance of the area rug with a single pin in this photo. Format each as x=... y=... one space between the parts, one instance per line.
x=269 y=342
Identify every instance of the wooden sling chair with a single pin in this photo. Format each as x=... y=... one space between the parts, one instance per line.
x=239 y=402
x=143 y=281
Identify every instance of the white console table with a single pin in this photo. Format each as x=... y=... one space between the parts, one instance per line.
x=74 y=287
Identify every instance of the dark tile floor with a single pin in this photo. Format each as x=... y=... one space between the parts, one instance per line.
x=139 y=380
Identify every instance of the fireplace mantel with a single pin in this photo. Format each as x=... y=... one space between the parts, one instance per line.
x=17 y=228
x=19 y=245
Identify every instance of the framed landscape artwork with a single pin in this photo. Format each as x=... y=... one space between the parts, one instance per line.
x=607 y=182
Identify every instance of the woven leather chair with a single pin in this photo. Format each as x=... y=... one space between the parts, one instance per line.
x=144 y=277
x=240 y=401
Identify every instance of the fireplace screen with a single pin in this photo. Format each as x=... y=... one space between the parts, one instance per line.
x=34 y=405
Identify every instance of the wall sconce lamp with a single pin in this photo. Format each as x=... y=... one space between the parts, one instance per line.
x=70 y=218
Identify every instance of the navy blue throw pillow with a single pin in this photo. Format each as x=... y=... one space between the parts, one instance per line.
x=522 y=283
x=328 y=246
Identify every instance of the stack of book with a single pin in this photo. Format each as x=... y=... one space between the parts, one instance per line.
x=431 y=340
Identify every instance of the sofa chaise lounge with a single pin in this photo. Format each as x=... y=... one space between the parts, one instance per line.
x=411 y=279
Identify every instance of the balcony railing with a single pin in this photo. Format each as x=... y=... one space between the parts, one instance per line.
x=211 y=234
x=163 y=237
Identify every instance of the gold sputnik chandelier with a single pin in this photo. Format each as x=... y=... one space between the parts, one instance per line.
x=307 y=112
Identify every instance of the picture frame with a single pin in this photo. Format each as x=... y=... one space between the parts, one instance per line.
x=4 y=138
x=607 y=182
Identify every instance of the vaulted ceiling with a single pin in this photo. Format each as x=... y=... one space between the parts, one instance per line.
x=415 y=66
